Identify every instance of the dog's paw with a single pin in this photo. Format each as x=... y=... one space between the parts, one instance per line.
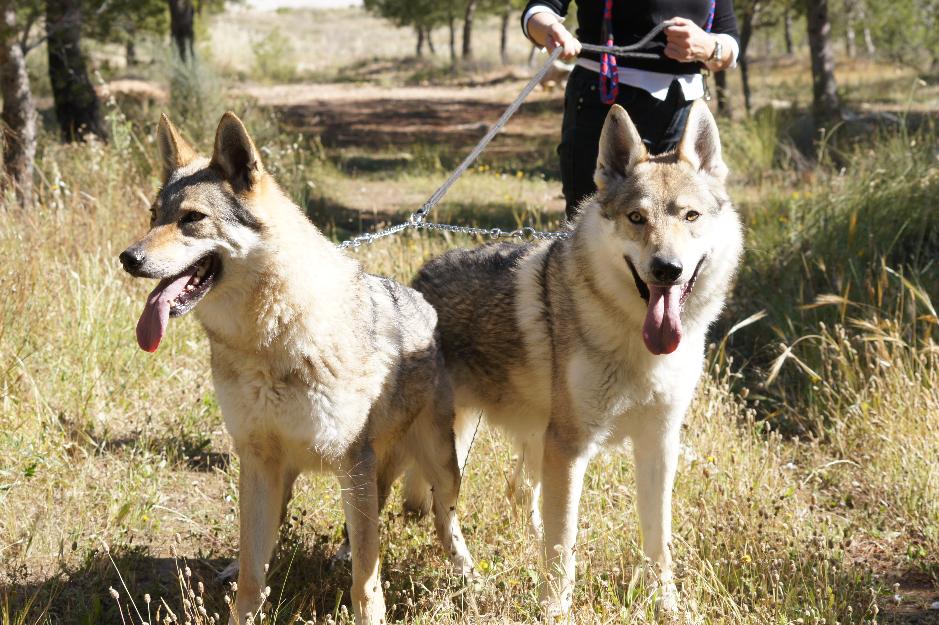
x=462 y=561
x=666 y=601
x=469 y=573
x=228 y=574
x=557 y=604
x=558 y=614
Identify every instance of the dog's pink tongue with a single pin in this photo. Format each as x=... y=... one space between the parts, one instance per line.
x=662 y=328
x=156 y=314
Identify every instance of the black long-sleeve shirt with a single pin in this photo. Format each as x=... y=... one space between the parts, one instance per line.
x=632 y=19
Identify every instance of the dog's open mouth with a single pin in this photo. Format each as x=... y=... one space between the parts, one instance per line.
x=174 y=297
x=661 y=330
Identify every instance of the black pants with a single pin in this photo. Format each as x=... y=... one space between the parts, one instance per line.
x=660 y=124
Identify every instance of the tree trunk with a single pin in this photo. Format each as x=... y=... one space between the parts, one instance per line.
x=868 y=40
x=430 y=41
x=504 y=38
x=182 y=17
x=76 y=103
x=745 y=85
x=130 y=45
x=18 y=138
x=451 y=21
x=850 y=38
x=825 y=104
x=787 y=28
x=746 y=34
x=468 y=29
x=724 y=105
x=419 y=48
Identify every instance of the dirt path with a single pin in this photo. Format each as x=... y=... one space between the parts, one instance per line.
x=370 y=115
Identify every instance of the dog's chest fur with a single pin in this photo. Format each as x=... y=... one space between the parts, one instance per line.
x=313 y=369
x=287 y=395
x=597 y=356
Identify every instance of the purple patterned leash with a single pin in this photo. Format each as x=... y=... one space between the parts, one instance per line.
x=609 y=72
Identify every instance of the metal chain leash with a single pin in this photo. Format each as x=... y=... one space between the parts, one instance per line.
x=417 y=219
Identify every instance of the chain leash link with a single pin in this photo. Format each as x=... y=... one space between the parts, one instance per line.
x=527 y=233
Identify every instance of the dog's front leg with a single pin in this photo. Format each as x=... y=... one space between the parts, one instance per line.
x=262 y=483
x=565 y=462
x=358 y=478
x=656 y=456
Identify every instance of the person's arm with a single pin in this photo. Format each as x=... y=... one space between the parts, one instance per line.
x=725 y=27
x=541 y=23
x=689 y=43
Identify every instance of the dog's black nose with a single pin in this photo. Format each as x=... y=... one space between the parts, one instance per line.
x=666 y=270
x=132 y=259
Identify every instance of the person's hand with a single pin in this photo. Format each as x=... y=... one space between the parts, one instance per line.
x=560 y=37
x=687 y=42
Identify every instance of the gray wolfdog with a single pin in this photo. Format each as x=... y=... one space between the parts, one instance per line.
x=577 y=344
x=316 y=364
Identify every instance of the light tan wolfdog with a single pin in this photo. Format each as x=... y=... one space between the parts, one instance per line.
x=316 y=364
x=577 y=344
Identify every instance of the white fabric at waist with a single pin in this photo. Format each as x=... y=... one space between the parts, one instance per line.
x=656 y=83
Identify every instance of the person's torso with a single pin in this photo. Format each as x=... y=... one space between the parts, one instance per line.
x=632 y=19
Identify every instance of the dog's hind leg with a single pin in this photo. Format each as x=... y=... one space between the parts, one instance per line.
x=290 y=476
x=656 y=457
x=417 y=488
x=389 y=470
x=416 y=491
x=434 y=448
x=263 y=484
x=358 y=478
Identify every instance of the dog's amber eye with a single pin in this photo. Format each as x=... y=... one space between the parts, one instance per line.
x=192 y=217
x=636 y=217
x=692 y=215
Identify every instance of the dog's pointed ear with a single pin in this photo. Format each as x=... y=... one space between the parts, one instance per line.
x=621 y=148
x=700 y=144
x=235 y=154
x=175 y=152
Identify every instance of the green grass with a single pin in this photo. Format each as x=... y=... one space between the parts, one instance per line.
x=808 y=484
